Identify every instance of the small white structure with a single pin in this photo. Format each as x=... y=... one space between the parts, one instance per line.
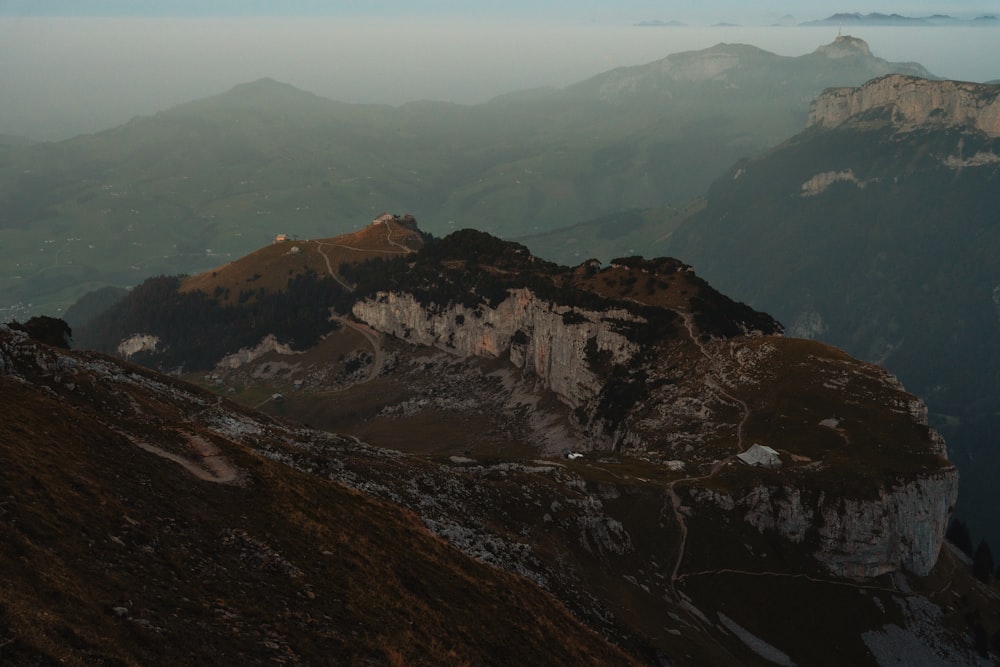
x=760 y=456
x=281 y=238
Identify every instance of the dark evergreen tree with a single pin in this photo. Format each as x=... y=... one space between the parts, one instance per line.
x=958 y=534
x=982 y=562
x=49 y=330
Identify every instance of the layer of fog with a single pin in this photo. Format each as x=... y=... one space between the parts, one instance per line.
x=67 y=76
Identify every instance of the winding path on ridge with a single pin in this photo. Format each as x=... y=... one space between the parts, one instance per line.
x=675 y=499
x=403 y=250
x=372 y=336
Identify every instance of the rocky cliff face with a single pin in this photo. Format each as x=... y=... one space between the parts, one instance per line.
x=856 y=526
x=859 y=530
x=542 y=338
x=901 y=527
x=912 y=102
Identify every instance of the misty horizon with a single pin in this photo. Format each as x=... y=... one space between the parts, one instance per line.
x=69 y=76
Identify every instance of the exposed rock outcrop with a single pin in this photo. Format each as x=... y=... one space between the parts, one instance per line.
x=912 y=102
x=269 y=343
x=137 y=343
x=542 y=338
x=857 y=537
x=820 y=182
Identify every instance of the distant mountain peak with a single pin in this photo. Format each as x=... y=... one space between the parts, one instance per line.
x=266 y=85
x=844 y=46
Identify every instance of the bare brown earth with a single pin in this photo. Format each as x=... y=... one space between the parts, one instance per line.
x=271 y=266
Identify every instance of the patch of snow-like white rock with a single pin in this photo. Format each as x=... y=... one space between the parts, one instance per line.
x=137 y=343
x=820 y=182
x=247 y=354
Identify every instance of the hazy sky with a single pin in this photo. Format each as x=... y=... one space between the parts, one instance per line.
x=68 y=67
x=707 y=11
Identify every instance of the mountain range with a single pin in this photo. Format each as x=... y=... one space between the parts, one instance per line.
x=852 y=19
x=654 y=456
x=184 y=189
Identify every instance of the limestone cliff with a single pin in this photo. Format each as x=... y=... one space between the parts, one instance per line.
x=913 y=102
x=866 y=527
x=544 y=339
x=900 y=527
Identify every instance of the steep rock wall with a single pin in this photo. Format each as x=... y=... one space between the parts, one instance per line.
x=901 y=527
x=913 y=102
x=542 y=338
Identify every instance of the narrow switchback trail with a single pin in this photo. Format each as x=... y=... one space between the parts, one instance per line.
x=329 y=268
x=388 y=237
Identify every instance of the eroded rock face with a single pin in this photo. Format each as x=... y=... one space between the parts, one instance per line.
x=901 y=527
x=913 y=102
x=544 y=339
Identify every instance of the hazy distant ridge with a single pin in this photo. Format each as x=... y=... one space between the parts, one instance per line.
x=852 y=19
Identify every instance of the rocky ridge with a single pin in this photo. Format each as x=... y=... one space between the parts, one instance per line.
x=644 y=359
x=912 y=102
x=473 y=351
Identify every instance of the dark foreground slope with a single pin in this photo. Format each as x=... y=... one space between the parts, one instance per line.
x=877 y=230
x=144 y=522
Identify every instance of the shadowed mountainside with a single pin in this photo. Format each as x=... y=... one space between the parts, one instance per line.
x=876 y=230
x=143 y=521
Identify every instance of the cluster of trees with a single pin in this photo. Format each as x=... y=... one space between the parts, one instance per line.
x=983 y=570
x=195 y=330
x=48 y=330
x=982 y=557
